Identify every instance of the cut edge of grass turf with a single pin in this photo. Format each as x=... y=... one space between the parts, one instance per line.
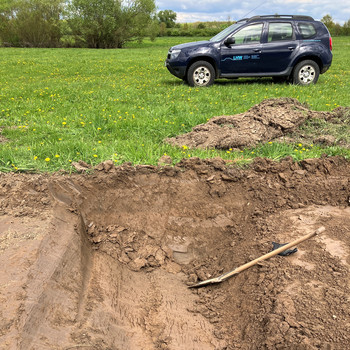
x=275 y=151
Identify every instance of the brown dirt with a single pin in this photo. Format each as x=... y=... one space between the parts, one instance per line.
x=102 y=261
x=272 y=119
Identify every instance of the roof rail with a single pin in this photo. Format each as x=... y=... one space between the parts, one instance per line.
x=309 y=18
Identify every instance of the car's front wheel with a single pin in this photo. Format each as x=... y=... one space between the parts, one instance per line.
x=306 y=73
x=201 y=73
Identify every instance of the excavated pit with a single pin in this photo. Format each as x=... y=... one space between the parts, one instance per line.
x=103 y=261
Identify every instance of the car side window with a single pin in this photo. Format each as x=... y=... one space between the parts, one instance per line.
x=307 y=30
x=249 y=35
x=280 y=31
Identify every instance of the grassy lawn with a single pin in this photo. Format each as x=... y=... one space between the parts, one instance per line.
x=64 y=105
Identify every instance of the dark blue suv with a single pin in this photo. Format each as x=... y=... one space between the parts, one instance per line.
x=285 y=47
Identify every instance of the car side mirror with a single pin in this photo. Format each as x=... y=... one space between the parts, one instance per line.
x=230 y=41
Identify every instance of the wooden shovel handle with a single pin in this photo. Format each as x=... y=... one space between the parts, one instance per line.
x=271 y=254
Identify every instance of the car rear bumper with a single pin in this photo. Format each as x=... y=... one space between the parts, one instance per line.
x=324 y=69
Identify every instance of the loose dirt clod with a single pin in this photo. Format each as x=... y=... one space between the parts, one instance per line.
x=103 y=261
x=269 y=120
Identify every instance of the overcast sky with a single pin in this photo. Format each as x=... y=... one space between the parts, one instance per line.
x=221 y=10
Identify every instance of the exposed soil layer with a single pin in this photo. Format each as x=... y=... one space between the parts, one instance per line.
x=103 y=261
x=272 y=119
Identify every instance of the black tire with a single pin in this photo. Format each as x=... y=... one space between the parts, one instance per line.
x=306 y=73
x=201 y=73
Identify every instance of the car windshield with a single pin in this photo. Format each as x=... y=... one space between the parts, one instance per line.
x=223 y=34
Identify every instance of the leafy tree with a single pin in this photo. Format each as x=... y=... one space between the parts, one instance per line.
x=337 y=29
x=346 y=28
x=168 y=17
x=328 y=22
x=38 y=22
x=153 y=29
x=110 y=23
x=31 y=22
x=7 y=15
x=162 y=29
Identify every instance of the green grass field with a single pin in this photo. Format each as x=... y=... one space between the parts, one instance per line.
x=64 y=105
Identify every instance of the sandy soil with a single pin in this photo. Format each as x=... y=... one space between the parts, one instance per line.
x=104 y=261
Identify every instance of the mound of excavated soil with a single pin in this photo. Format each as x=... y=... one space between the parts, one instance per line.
x=267 y=121
x=103 y=261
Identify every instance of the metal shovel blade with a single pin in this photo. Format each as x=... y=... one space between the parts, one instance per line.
x=215 y=280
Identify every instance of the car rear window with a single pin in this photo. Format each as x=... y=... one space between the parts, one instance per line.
x=307 y=30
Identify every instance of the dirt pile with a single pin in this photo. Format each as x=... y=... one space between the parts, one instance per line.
x=103 y=261
x=267 y=121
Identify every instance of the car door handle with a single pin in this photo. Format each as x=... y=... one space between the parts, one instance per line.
x=257 y=50
x=291 y=48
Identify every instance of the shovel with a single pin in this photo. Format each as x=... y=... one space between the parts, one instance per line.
x=241 y=268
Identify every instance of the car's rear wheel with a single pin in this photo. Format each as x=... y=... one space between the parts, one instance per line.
x=201 y=73
x=306 y=73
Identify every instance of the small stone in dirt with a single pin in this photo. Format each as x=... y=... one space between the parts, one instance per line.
x=211 y=179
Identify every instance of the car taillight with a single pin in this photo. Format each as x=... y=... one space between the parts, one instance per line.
x=330 y=43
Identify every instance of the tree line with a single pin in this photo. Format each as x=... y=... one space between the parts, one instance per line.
x=78 y=23
x=100 y=23
x=335 y=28
x=209 y=29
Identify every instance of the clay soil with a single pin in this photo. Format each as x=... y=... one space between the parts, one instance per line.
x=104 y=261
